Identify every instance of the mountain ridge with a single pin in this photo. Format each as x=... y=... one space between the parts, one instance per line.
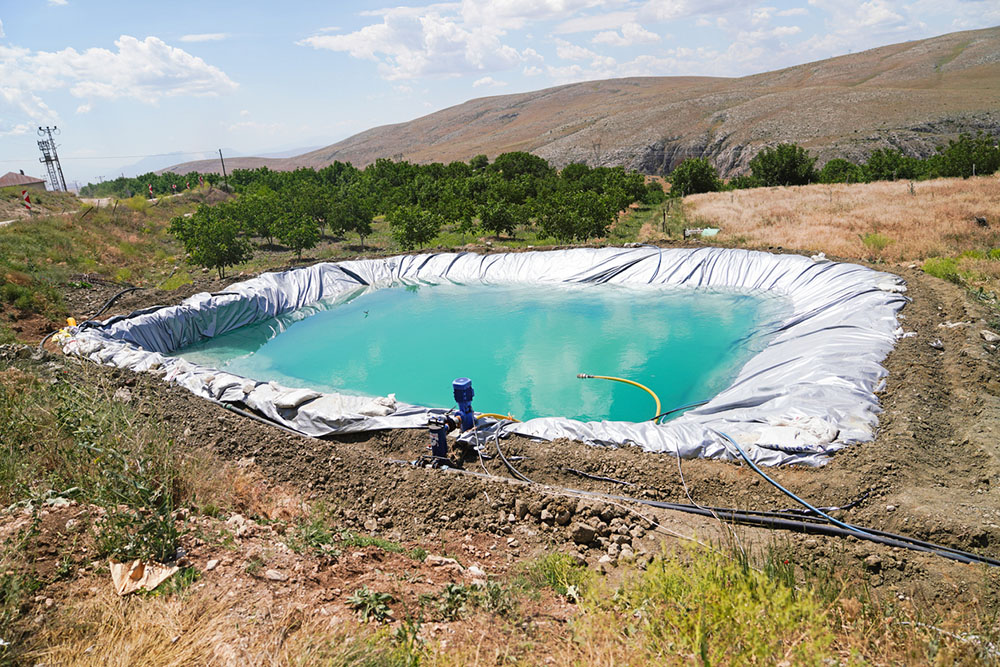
x=912 y=96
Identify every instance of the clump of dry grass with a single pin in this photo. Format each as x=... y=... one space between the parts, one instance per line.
x=888 y=221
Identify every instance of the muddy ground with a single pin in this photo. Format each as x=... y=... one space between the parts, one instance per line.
x=933 y=471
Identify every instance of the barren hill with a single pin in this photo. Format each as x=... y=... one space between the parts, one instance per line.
x=912 y=96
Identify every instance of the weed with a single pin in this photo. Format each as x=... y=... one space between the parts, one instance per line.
x=945 y=268
x=875 y=242
x=254 y=566
x=371 y=604
x=313 y=535
x=559 y=572
x=453 y=600
x=497 y=599
x=351 y=539
x=710 y=606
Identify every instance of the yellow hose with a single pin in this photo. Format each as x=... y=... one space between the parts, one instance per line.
x=584 y=376
x=498 y=416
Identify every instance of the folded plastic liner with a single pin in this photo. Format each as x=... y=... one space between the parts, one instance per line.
x=808 y=393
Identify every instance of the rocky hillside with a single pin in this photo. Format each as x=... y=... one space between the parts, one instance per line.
x=912 y=96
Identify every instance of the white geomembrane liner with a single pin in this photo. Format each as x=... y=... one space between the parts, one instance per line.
x=810 y=392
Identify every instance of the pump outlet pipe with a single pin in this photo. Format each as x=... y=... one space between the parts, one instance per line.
x=585 y=376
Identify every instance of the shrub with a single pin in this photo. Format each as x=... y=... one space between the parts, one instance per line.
x=785 y=164
x=875 y=242
x=839 y=170
x=693 y=176
x=945 y=268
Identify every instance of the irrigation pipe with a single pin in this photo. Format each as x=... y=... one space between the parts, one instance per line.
x=93 y=317
x=814 y=510
x=586 y=376
x=762 y=520
x=660 y=416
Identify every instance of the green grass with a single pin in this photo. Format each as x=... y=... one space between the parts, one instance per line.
x=708 y=607
x=875 y=242
x=47 y=252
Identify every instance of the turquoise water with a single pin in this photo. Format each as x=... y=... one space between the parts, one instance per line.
x=521 y=345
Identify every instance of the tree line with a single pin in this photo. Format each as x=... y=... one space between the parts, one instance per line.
x=517 y=190
x=791 y=164
x=166 y=183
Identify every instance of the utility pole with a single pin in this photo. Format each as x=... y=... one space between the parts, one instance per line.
x=51 y=158
x=225 y=180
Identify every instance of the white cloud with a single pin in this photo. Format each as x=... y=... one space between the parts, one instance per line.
x=244 y=112
x=488 y=81
x=515 y=14
x=794 y=11
x=15 y=130
x=631 y=34
x=1 y=28
x=672 y=10
x=205 y=37
x=532 y=70
x=59 y=3
x=266 y=128
x=146 y=70
x=411 y=43
x=84 y=108
x=595 y=22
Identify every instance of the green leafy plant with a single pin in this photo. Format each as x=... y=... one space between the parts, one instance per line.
x=371 y=605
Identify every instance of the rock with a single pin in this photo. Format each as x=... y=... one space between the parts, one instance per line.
x=520 y=508
x=582 y=533
x=122 y=395
x=211 y=565
x=240 y=525
x=613 y=550
x=535 y=509
x=448 y=564
x=547 y=516
x=275 y=575
x=72 y=525
x=890 y=508
x=371 y=525
x=936 y=344
x=989 y=336
x=605 y=560
x=873 y=563
x=475 y=571
x=563 y=518
x=627 y=554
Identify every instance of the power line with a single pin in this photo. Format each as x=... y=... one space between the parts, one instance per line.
x=123 y=157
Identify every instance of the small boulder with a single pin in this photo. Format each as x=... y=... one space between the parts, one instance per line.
x=989 y=336
x=582 y=533
x=275 y=575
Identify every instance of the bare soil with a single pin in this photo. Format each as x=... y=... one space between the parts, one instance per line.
x=933 y=471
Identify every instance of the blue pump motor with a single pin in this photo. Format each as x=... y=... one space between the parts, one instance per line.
x=463 y=396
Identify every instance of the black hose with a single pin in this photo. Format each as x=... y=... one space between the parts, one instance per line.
x=111 y=301
x=811 y=525
x=670 y=412
x=597 y=478
x=92 y=317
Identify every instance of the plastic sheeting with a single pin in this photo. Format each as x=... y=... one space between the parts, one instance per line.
x=810 y=392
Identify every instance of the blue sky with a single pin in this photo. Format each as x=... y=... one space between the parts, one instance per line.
x=125 y=79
